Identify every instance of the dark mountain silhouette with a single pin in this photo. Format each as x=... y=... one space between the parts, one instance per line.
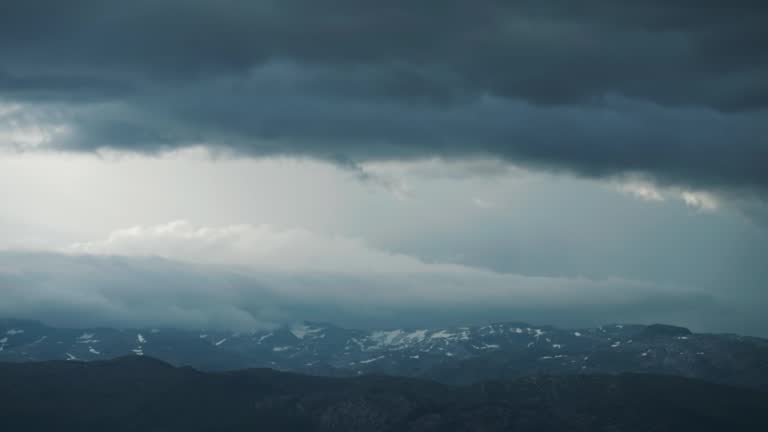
x=143 y=394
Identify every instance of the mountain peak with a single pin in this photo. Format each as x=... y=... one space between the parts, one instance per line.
x=664 y=330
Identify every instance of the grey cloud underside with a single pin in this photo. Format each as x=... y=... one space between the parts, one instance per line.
x=675 y=90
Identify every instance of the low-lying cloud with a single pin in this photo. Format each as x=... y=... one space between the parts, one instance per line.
x=256 y=276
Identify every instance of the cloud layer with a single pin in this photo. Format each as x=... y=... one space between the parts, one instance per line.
x=674 y=90
x=672 y=53
x=255 y=276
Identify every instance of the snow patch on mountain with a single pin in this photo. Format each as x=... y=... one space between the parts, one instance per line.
x=87 y=338
x=446 y=335
x=301 y=330
x=442 y=334
x=261 y=339
x=393 y=339
x=487 y=346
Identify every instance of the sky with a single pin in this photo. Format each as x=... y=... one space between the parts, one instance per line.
x=242 y=164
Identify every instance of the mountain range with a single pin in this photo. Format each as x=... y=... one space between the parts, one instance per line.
x=457 y=355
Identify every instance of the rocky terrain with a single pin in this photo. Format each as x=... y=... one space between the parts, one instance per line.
x=459 y=355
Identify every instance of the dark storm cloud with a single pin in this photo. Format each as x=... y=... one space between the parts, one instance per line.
x=56 y=87
x=676 y=90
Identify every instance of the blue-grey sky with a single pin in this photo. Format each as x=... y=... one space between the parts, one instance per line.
x=239 y=164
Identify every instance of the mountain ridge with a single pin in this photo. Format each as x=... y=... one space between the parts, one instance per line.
x=454 y=355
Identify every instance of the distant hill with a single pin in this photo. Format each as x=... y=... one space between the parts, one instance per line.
x=457 y=355
x=142 y=394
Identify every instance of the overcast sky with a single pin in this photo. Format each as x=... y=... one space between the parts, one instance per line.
x=240 y=164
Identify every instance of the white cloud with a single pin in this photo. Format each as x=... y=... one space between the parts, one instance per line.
x=259 y=247
x=642 y=190
x=701 y=200
x=21 y=130
x=704 y=201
